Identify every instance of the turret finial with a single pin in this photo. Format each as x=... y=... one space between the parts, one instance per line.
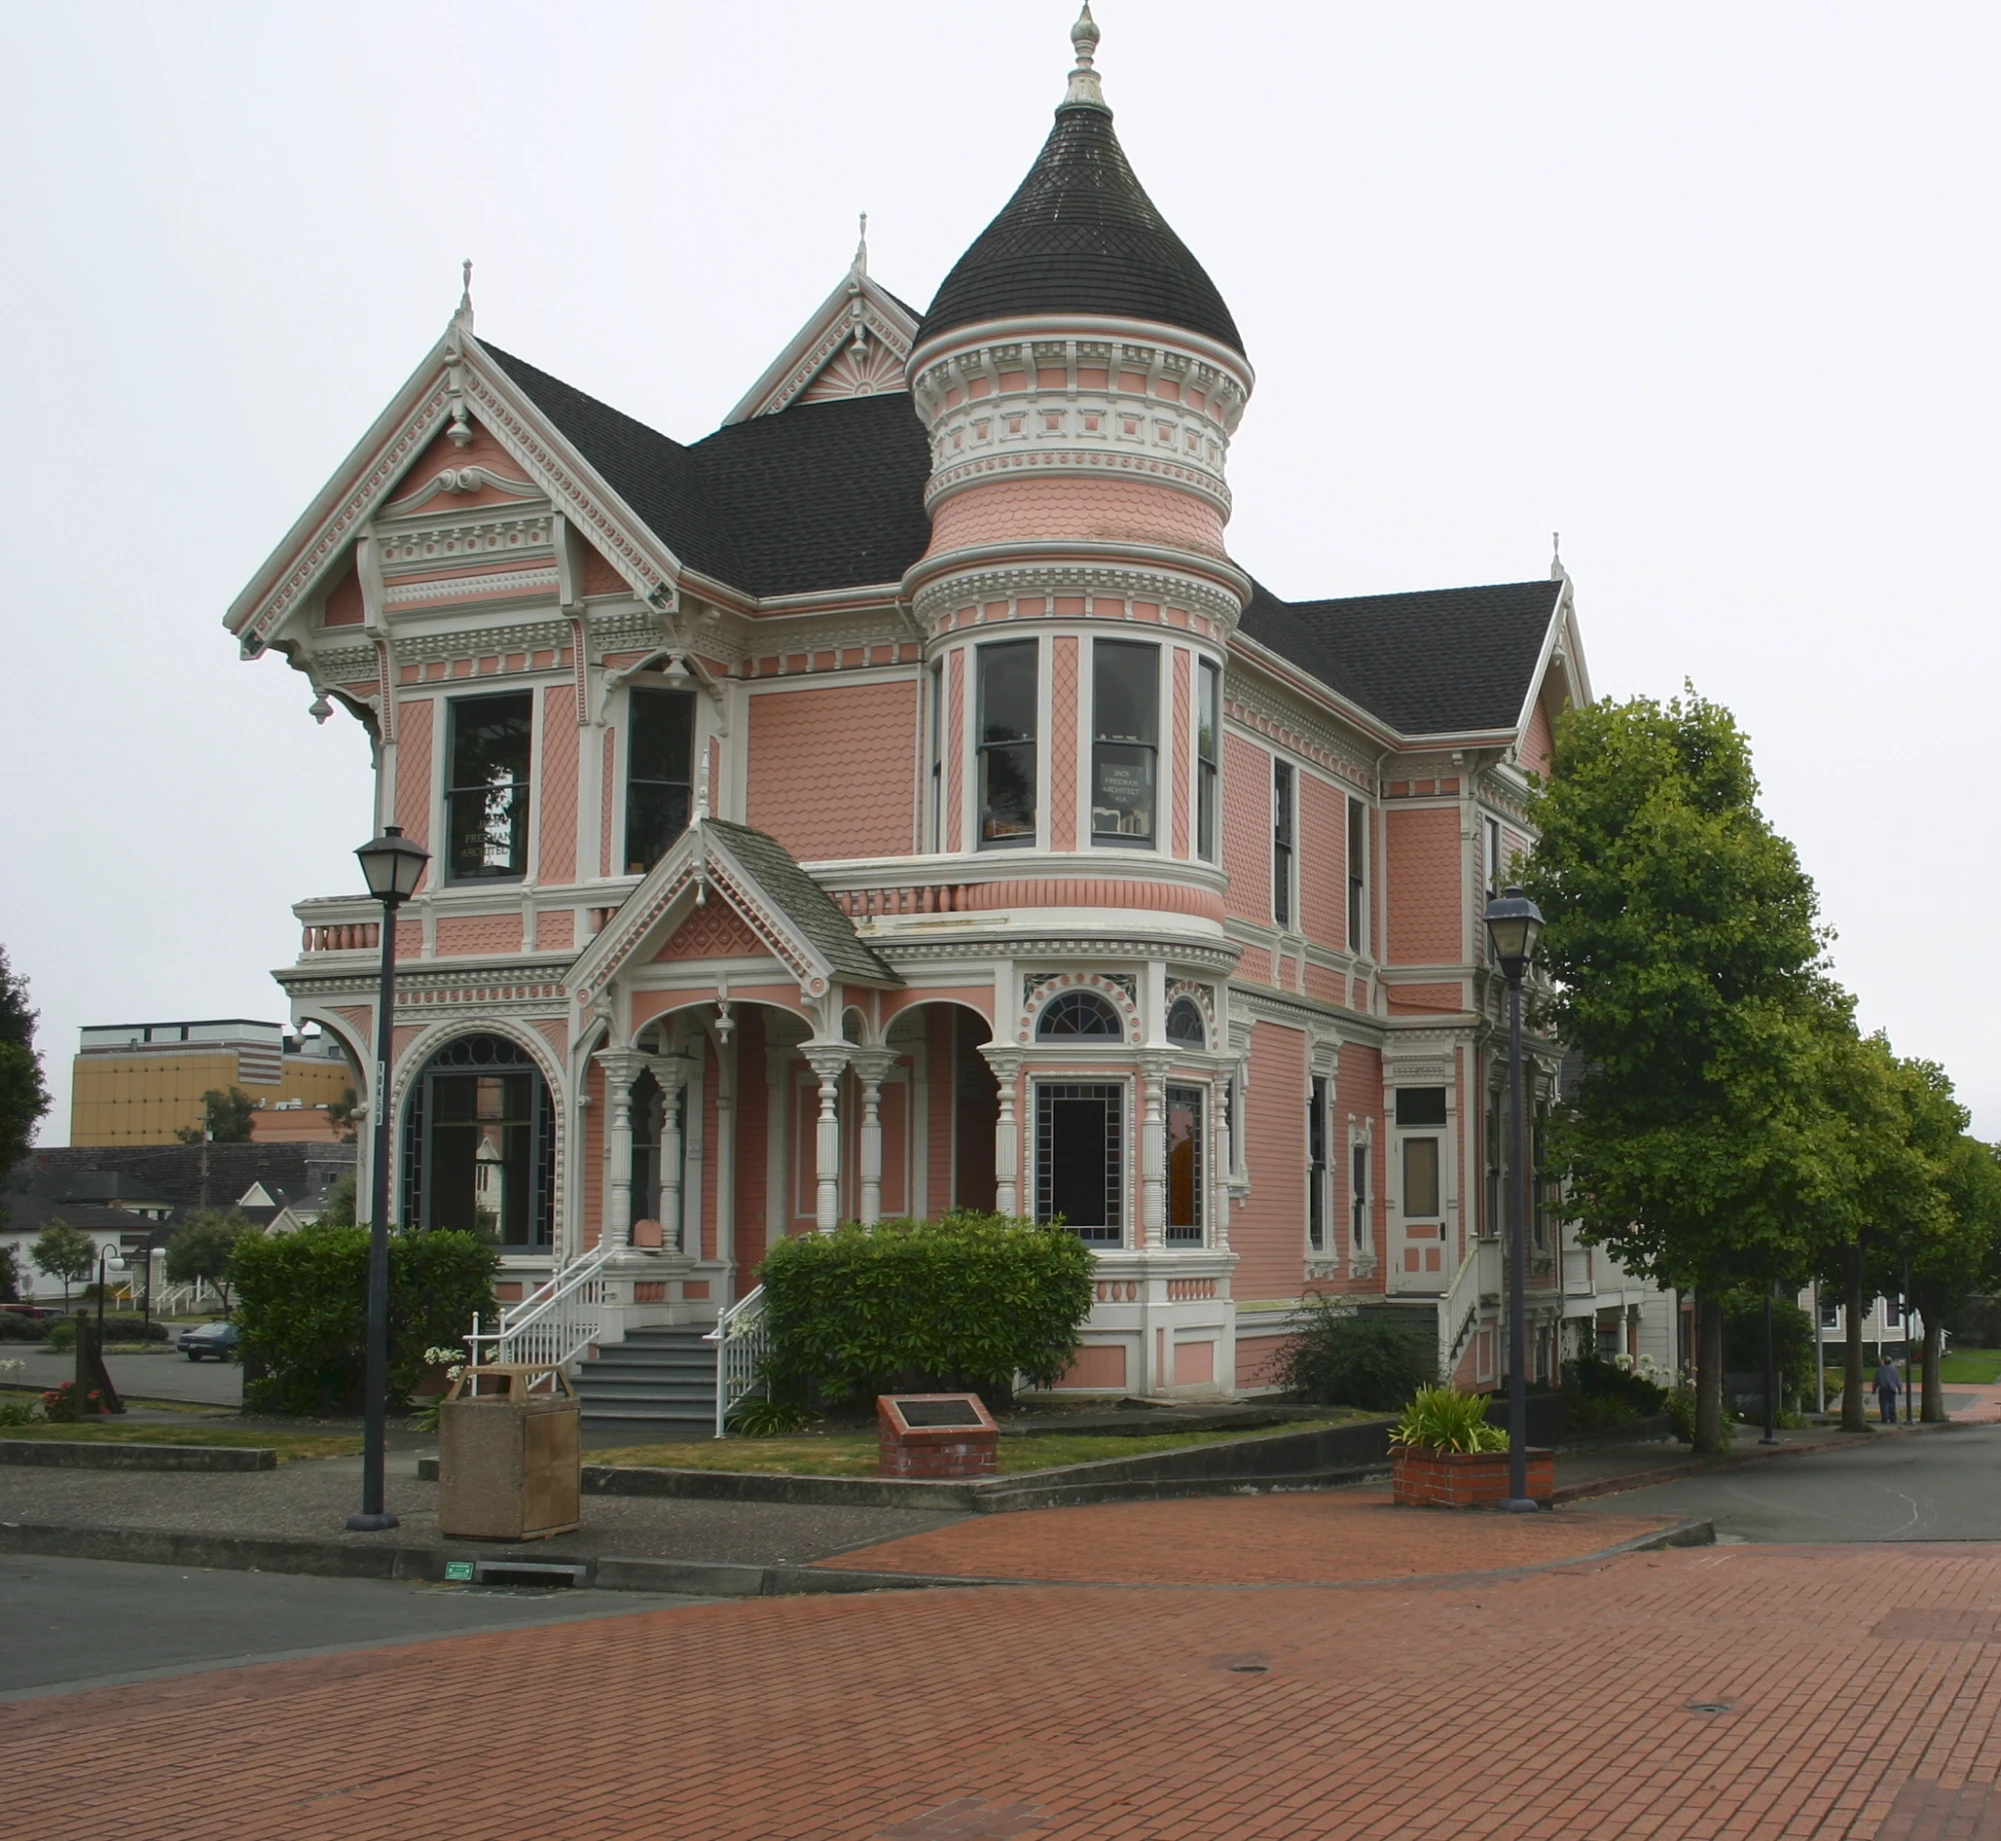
x=465 y=290
x=1084 y=90
x=861 y=248
x=1557 y=571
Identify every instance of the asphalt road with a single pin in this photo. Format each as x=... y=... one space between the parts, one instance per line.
x=68 y=1624
x=166 y=1376
x=1922 y=1486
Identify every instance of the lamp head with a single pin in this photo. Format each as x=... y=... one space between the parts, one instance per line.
x=393 y=865
x=1513 y=924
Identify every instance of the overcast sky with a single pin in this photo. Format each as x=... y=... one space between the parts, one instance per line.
x=1708 y=287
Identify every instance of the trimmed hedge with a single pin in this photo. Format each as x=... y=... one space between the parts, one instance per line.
x=1340 y=1359
x=302 y=1305
x=16 y=1328
x=963 y=1303
x=118 y=1327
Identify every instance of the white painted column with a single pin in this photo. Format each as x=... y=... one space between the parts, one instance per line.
x=1006 y=1064
x=1153 y=1150
x=725 y=1154
x=872 y=1067
x=827 y=1061
x=621 y=1068
x=671 y=1071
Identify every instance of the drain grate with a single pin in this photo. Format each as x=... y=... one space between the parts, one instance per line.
x=1711 y=1706
x=528 y=1572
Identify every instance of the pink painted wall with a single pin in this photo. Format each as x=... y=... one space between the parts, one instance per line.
x=1179 y=750
x=479 y=933
x=1323 y=861
x=955 y=697
x=556 y=932
x=938 y=1123
x=413 y=770
x=1539 y=744
x=831 y=770
x=344 y=605
x=1268 y=1228
x=482 y=451
x=1424 y=887
x=1358 y=1094
x=605 y=802
x=1095 y=510
x=1064 y=696
x=557 y=858
x=1247 y=827
x=1406 y=999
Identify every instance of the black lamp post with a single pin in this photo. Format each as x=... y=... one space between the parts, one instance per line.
x=1513 y=924
x=394 y=865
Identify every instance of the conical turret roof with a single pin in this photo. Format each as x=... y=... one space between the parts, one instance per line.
x=1080 y=235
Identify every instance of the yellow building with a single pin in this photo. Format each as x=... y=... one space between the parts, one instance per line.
x=140 y=1083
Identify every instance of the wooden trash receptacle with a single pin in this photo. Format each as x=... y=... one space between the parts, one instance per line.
x=510 y=1454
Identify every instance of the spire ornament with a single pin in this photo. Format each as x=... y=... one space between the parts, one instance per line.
x=1085 y=92
x=1557 y=572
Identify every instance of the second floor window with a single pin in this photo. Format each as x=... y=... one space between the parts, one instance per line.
x=938 y=755
x=1281 y=842
x=1358 y=873
x=659 y=770
x=1316 y=1165
x=1125 y=737
x=1208 y=760
x=486 y=786
x=1007 y=698
x=1358 y=1195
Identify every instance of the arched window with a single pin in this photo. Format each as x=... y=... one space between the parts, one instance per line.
x=479 y=1144
x=1184 y=1023
x=1078 y=1013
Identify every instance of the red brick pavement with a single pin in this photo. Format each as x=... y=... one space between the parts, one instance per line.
x=1313 y=1538
x=1539 y=1706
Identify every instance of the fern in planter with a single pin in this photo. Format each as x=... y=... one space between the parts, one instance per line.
x=1442 y=1419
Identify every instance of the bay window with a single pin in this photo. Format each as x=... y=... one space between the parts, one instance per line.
x=1208 y=760
x=1125 y=740
x=1007 y=732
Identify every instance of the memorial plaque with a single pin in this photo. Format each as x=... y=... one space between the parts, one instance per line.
x=931 y=1413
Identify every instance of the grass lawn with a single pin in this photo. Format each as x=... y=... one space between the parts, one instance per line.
x=853 y=1454
x=1971 y=1367
x=288 y=1445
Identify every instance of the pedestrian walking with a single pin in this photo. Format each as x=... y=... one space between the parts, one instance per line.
x=1889 y=1384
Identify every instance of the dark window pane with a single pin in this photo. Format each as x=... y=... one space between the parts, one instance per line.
x=1358 y=862
x=486 y=796
x=659 y=769
x=1358 y=1196
x=1316 y=1164
x=1184 y=1166
x=1080 y=1171
x=1079 y=1013
x=1007 y=693
x=1281 y=855
x=1125 y=716
x=1184 y=1023
x=1420 y=1106
x=1208 y=742
x=1122 y=792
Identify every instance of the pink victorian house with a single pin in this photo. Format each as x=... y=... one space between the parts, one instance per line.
x=900 y=798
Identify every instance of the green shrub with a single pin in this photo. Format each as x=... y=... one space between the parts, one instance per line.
x=16 y=1328
x=1792 y=1343
x=119 y=1328
x=964 y=1302
x=19 y=1412
x=757 y=1416
x=1340 y=1359
x=302 y=1305
x=61 y=1337
x=1680 y=1409
x=1443 y=1419
x=1599 y=1395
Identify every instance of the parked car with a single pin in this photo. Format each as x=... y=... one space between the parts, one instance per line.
x=216 y=1339
x=29 y=1310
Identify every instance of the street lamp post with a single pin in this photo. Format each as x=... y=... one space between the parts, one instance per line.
x=1513 y=923
x=394 y=865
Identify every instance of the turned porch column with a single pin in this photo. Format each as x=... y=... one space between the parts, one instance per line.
x=872 y=1066
x=827 y=1060
x=621 y=1068
x=1006 y=1064
x=1153 y=1150
x=671 y=1072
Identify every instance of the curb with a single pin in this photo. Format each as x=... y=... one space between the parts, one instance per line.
x=86 y=1454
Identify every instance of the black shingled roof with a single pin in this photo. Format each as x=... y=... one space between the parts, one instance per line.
x=826 y=495
x=808 y=906
x=1080 y=235
x=1440 y=661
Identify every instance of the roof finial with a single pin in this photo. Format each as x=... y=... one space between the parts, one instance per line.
x=1557 y=572
x=1084 y=90
x=861 y=248
x=465 y=290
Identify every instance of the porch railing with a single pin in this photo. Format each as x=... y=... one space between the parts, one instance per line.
x=554 y=1323
x=743 y=1340
x=1477 y=1282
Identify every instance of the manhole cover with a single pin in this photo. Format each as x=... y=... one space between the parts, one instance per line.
x=1711 y=1706
x=1250 y=1668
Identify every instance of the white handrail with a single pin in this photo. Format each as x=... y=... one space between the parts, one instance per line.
x=1477 y=1280
x=554 y=1323
x=743 y=1340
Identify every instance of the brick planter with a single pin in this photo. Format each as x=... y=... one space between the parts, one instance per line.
x=1465 y=1479
x=934 y=1435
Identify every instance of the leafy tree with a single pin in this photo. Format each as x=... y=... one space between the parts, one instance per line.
x=225 y=1118
x=1898 y=1122
x=201 y=1251
x=338 y=1209
x=1340 y=1359
x=1949 y=1266
x=24 y=1095
x=10 y=1274
x=1687 y=959
x=65 y=1253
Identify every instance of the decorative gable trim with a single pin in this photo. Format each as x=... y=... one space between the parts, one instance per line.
x=856 y=344
x=456 y=371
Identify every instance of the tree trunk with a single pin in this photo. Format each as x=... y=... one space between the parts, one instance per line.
x=1934 y=1413
x=1708 y=1373
x=1854 y=1383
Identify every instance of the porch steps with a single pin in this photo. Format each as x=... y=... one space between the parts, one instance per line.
x=656 y=1380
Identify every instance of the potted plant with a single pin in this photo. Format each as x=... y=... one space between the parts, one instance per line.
x=1444 y=1454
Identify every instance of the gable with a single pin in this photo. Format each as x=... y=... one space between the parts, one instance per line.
x=856 y=343
x=712 y=931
